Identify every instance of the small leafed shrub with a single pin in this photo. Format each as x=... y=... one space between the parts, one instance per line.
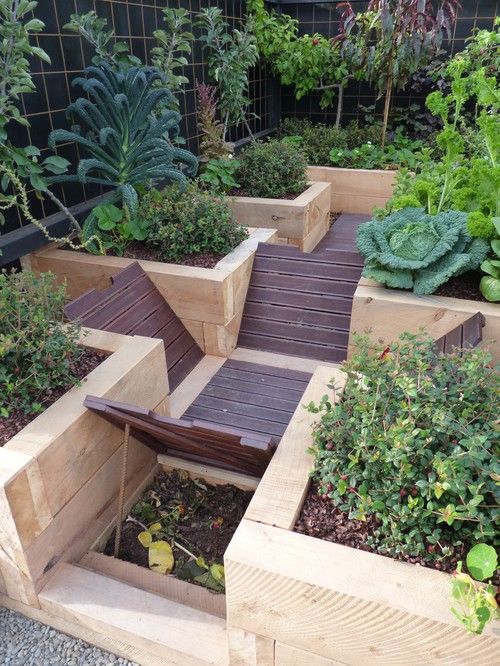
x=272 y=169
x=36 y=349
x=190 y=222
x=413 y=445
x=413 y=250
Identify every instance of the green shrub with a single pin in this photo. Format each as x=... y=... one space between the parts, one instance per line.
x=36 y=349
x=413 y=442
x=188 y=222
x=413 y=250
x=272 y=169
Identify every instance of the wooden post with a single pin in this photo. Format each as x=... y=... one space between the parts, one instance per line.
x=121 y=495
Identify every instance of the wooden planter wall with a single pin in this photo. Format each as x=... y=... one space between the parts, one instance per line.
x=209 y=301
x=59 y=475
x=355 y=190
x=302 y=221
x=386 y=313
x=306 y=601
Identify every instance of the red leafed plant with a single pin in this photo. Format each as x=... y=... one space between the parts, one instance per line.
x=212 y=144
x=392 y=39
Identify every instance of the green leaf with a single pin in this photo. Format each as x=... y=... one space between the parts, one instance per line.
x=490 y=288
x=482 y=561
x=56 y=164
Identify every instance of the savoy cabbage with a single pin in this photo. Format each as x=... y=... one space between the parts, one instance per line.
x=413 y=250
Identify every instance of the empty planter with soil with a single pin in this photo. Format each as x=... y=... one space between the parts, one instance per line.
x=326 y=592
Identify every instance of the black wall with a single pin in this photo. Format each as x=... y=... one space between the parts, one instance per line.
x=323 y=17
x=133 y=21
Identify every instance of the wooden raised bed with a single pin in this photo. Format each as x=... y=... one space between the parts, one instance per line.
x=355 y=190
x=309 y=601
x=59 y=475
x=386 y=313
x=209 y=301
x=302 y=221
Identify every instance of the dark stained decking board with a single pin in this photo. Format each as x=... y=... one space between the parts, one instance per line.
x=254 y=397
x=464 y=336
x=134 y=306
x=342 y=234
x=300 y=303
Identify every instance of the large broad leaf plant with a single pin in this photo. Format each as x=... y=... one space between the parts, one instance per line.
x=126 y=146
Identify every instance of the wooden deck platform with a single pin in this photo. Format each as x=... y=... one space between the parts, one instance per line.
x=258 y=398
x=342 y=234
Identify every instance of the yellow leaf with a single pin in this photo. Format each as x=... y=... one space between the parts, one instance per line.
x=217 y=571
x=161 y=557
x=145 y=539
x=200 y=561
x=156 y=527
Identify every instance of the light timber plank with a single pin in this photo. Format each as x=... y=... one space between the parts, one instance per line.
x=290 y=656
x=247 y=649
x=285 y=482
x=180 y=635
x=345 y=604
x=279 y=360
x=210 y=474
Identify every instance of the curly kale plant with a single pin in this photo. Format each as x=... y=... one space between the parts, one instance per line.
x=413 y=250
x=126 y=145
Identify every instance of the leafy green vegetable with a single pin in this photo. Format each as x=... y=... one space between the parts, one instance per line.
x=413 y=250
x=490 y=283
x=482 y=561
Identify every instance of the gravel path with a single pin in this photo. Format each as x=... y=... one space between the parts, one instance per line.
x=24 y=642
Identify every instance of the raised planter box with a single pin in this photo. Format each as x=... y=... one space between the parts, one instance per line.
x=209 y=301
x=355 y=190
x=386 y=313
x=302 y=221
x=323 y=603
x=59 y=475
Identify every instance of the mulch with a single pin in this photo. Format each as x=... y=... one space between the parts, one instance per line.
x=463 y=286
x=18 y=419
x=138 y=250
x=320 y=518
x=199 y=516
x=241 y=192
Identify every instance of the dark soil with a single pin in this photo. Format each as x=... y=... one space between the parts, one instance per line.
x=319 y=518
x=334 y=217
x=18 y=419
x=463 y=286
x=200 y=517
x=138 y=250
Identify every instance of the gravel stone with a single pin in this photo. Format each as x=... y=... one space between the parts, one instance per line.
x=24 y=642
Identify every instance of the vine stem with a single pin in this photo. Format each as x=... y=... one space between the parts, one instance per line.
x=64 y=209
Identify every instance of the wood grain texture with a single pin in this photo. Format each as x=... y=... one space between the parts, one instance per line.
x=281 y=492
x=344 y=604
x=247 y=649
x=386 y=313
x=285 y=655
x=179 y=635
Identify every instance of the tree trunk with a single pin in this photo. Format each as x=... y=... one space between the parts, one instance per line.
x=340 y=104
x=388 y=97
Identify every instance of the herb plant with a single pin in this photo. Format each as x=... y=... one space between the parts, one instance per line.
x=219 y=175
x=230 y=55
x=189 y=222
x=413 y=445
x=401 y=152
x=413 y=250
x=36 y=347
x=490 y=283
x=212 y=143
x=272 y=169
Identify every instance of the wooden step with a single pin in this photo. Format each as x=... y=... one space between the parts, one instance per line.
x=177 y=634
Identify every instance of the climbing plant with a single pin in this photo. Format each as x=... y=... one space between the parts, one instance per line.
x=308 y=63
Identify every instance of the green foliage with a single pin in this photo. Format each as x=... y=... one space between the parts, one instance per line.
x=413 y=443
x=401 y=152
x=172 y=47
x=188 y=222
x=212 y=143
x=108 y=51
x=115 y=228
x=272 y=169
x=308 y=63
x=219 y=175
x=490 y=283
x=36 y=347
x=229 y=58
x=127 y=146
x=477 y=603
x=413 y=250
x=392 y=39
